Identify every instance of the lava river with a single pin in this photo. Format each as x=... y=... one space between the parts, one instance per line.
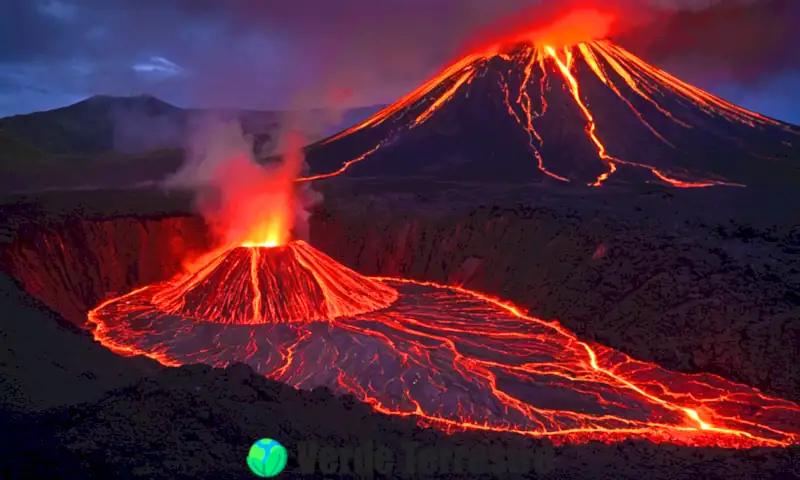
x=452 y=358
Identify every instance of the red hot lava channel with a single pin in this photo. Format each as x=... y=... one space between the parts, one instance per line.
x=453 y=359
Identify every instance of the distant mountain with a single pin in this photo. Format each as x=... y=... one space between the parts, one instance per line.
x=138 y=124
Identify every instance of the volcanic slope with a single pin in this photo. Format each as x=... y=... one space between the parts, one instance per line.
x=286 y=284
x=588 y=114
x=449 y=357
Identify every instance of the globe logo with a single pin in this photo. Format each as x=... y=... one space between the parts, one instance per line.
x=267 y=458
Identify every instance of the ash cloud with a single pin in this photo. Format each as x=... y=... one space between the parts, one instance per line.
x=383 y=46
x=734 y=40
x=739 y=41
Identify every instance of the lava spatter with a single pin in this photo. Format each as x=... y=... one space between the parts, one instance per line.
x=453 y=359
x=609 y=87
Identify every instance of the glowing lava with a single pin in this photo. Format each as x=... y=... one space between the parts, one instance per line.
x=534 y=70
x=452 y=358
x=289 y=283
x=576 y=27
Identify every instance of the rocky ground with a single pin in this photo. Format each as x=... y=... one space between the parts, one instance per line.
x=692 y=280
x=46 y=362
x=196 y=422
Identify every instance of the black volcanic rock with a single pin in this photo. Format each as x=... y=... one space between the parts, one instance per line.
x=639 y=278
x=197 y=422
x=100 y=258
x=46 y=361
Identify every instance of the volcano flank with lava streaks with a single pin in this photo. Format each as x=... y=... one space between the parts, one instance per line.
x=280 y=284
x=546 y=106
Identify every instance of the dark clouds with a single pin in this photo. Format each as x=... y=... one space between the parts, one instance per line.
x=273 y=54
x=18 y=42
x=738 y=40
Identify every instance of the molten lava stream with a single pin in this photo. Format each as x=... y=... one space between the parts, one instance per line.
x=452 y=358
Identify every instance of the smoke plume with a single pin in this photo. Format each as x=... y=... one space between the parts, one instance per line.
x=234 y=191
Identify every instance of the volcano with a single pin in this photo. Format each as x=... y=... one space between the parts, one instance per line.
x=452 y=358
x=279 y=284
x=589 y=113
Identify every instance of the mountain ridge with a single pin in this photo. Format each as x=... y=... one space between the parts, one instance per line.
x=136 y=124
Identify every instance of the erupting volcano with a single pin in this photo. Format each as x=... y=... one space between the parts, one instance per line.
x=562 y=104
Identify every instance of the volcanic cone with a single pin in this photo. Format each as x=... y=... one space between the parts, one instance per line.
x=283 y=284
x=591 y=114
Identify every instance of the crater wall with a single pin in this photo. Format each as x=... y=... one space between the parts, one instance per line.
x=721 y=300
x=73 y=266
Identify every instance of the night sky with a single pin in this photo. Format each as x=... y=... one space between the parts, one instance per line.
x=274 y=54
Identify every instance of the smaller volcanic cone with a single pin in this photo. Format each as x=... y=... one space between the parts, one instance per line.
x=259 y=276
x=283 y=284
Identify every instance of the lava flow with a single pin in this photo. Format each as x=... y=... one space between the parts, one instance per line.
x=452 y=358
x=582 y=109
